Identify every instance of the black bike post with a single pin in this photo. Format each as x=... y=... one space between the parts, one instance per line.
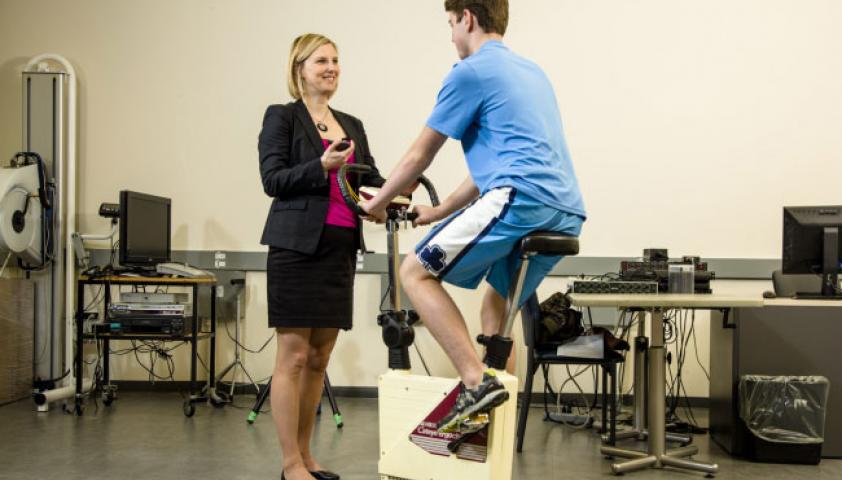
x=398 y=334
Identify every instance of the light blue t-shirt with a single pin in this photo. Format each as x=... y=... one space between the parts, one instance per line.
x=503 y=109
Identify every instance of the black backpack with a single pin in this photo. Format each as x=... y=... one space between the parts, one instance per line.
x=559 y=322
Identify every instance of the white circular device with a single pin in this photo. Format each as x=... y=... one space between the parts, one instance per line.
x=20 y=213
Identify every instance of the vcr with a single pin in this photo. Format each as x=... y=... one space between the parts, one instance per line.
x=141 y=323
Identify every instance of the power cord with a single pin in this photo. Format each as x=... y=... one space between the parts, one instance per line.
x=548 y=390
x=246 y=349
x=3 y=268
x=677 y=388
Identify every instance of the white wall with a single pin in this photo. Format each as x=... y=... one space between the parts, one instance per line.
x=690 y=123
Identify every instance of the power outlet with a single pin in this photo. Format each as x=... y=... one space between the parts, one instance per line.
x=220 y=260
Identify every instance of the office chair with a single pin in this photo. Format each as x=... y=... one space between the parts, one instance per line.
x=788 y=285
x=539 y=355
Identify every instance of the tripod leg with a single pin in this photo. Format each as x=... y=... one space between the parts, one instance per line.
x=233 y=382
x=225 y=371
x=337 y=415
x=255 y=411
x=251 y=380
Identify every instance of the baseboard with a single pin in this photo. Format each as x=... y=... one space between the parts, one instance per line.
x=361 y=392
x=160 y=386
x=628 y=400
x=240 y=388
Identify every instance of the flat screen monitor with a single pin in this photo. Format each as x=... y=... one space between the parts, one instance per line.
x=811 y=245
x=144 y=229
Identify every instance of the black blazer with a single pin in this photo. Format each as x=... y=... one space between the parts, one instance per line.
x=290 y=151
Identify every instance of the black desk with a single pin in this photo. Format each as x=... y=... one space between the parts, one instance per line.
x=193 y=337
x=785 y=337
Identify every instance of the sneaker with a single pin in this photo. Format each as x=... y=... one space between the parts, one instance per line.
x=469 y=403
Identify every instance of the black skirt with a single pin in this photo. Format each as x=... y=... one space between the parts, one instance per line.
x=313 y=291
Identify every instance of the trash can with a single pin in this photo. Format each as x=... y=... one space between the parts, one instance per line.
x=784 y=416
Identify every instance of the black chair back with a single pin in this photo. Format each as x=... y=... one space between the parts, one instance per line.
x=530 y=315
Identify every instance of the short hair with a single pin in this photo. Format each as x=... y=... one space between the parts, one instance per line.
x=492 y=15
x=302 y=48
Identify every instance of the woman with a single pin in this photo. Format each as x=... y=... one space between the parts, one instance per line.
x=312 y=237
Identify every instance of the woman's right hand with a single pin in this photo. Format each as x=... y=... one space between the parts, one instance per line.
x=332 y=160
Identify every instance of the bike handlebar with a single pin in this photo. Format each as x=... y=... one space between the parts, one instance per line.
x=351 y=198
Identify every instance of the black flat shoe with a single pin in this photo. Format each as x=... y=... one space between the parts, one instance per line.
x=324 y=475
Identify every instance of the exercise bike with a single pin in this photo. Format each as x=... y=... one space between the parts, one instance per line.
x=410 y=405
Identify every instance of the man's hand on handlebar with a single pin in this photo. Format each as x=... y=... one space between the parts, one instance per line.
x=378 y=216
x=426 y=215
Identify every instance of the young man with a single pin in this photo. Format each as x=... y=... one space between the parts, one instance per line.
x=503 y=110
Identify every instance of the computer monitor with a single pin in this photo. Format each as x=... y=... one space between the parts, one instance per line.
x=144 y=229
x=811 y=245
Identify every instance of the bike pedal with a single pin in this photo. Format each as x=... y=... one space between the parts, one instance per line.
x=480 y=423
x=477 y=420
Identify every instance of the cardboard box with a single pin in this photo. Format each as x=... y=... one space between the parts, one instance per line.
x=17 y=320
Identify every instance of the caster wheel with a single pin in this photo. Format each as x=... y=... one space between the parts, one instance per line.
x=189 y=409
x=107 y=401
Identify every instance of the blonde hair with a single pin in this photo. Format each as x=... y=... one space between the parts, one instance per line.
x=302 y=48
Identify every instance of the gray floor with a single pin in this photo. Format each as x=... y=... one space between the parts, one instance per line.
x=146 y=436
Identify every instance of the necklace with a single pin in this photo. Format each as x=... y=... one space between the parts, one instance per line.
x=321 y=123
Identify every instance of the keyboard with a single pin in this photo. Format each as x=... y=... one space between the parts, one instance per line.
x=181 y=270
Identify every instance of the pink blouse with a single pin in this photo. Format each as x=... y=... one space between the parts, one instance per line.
x=338 y=213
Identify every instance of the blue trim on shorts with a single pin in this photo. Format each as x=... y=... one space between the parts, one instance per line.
x=436 y=230
x=481 y=234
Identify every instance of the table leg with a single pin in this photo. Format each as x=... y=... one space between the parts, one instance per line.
x=641 y=345
x=212 y=366
x=194 y=333
x=80 y=322
x=106 y=369
x=658 y=456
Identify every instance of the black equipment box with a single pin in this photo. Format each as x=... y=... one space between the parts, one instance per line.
x=655 y=268
x=131 y=317
x=163 y=324
x=613 y=286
